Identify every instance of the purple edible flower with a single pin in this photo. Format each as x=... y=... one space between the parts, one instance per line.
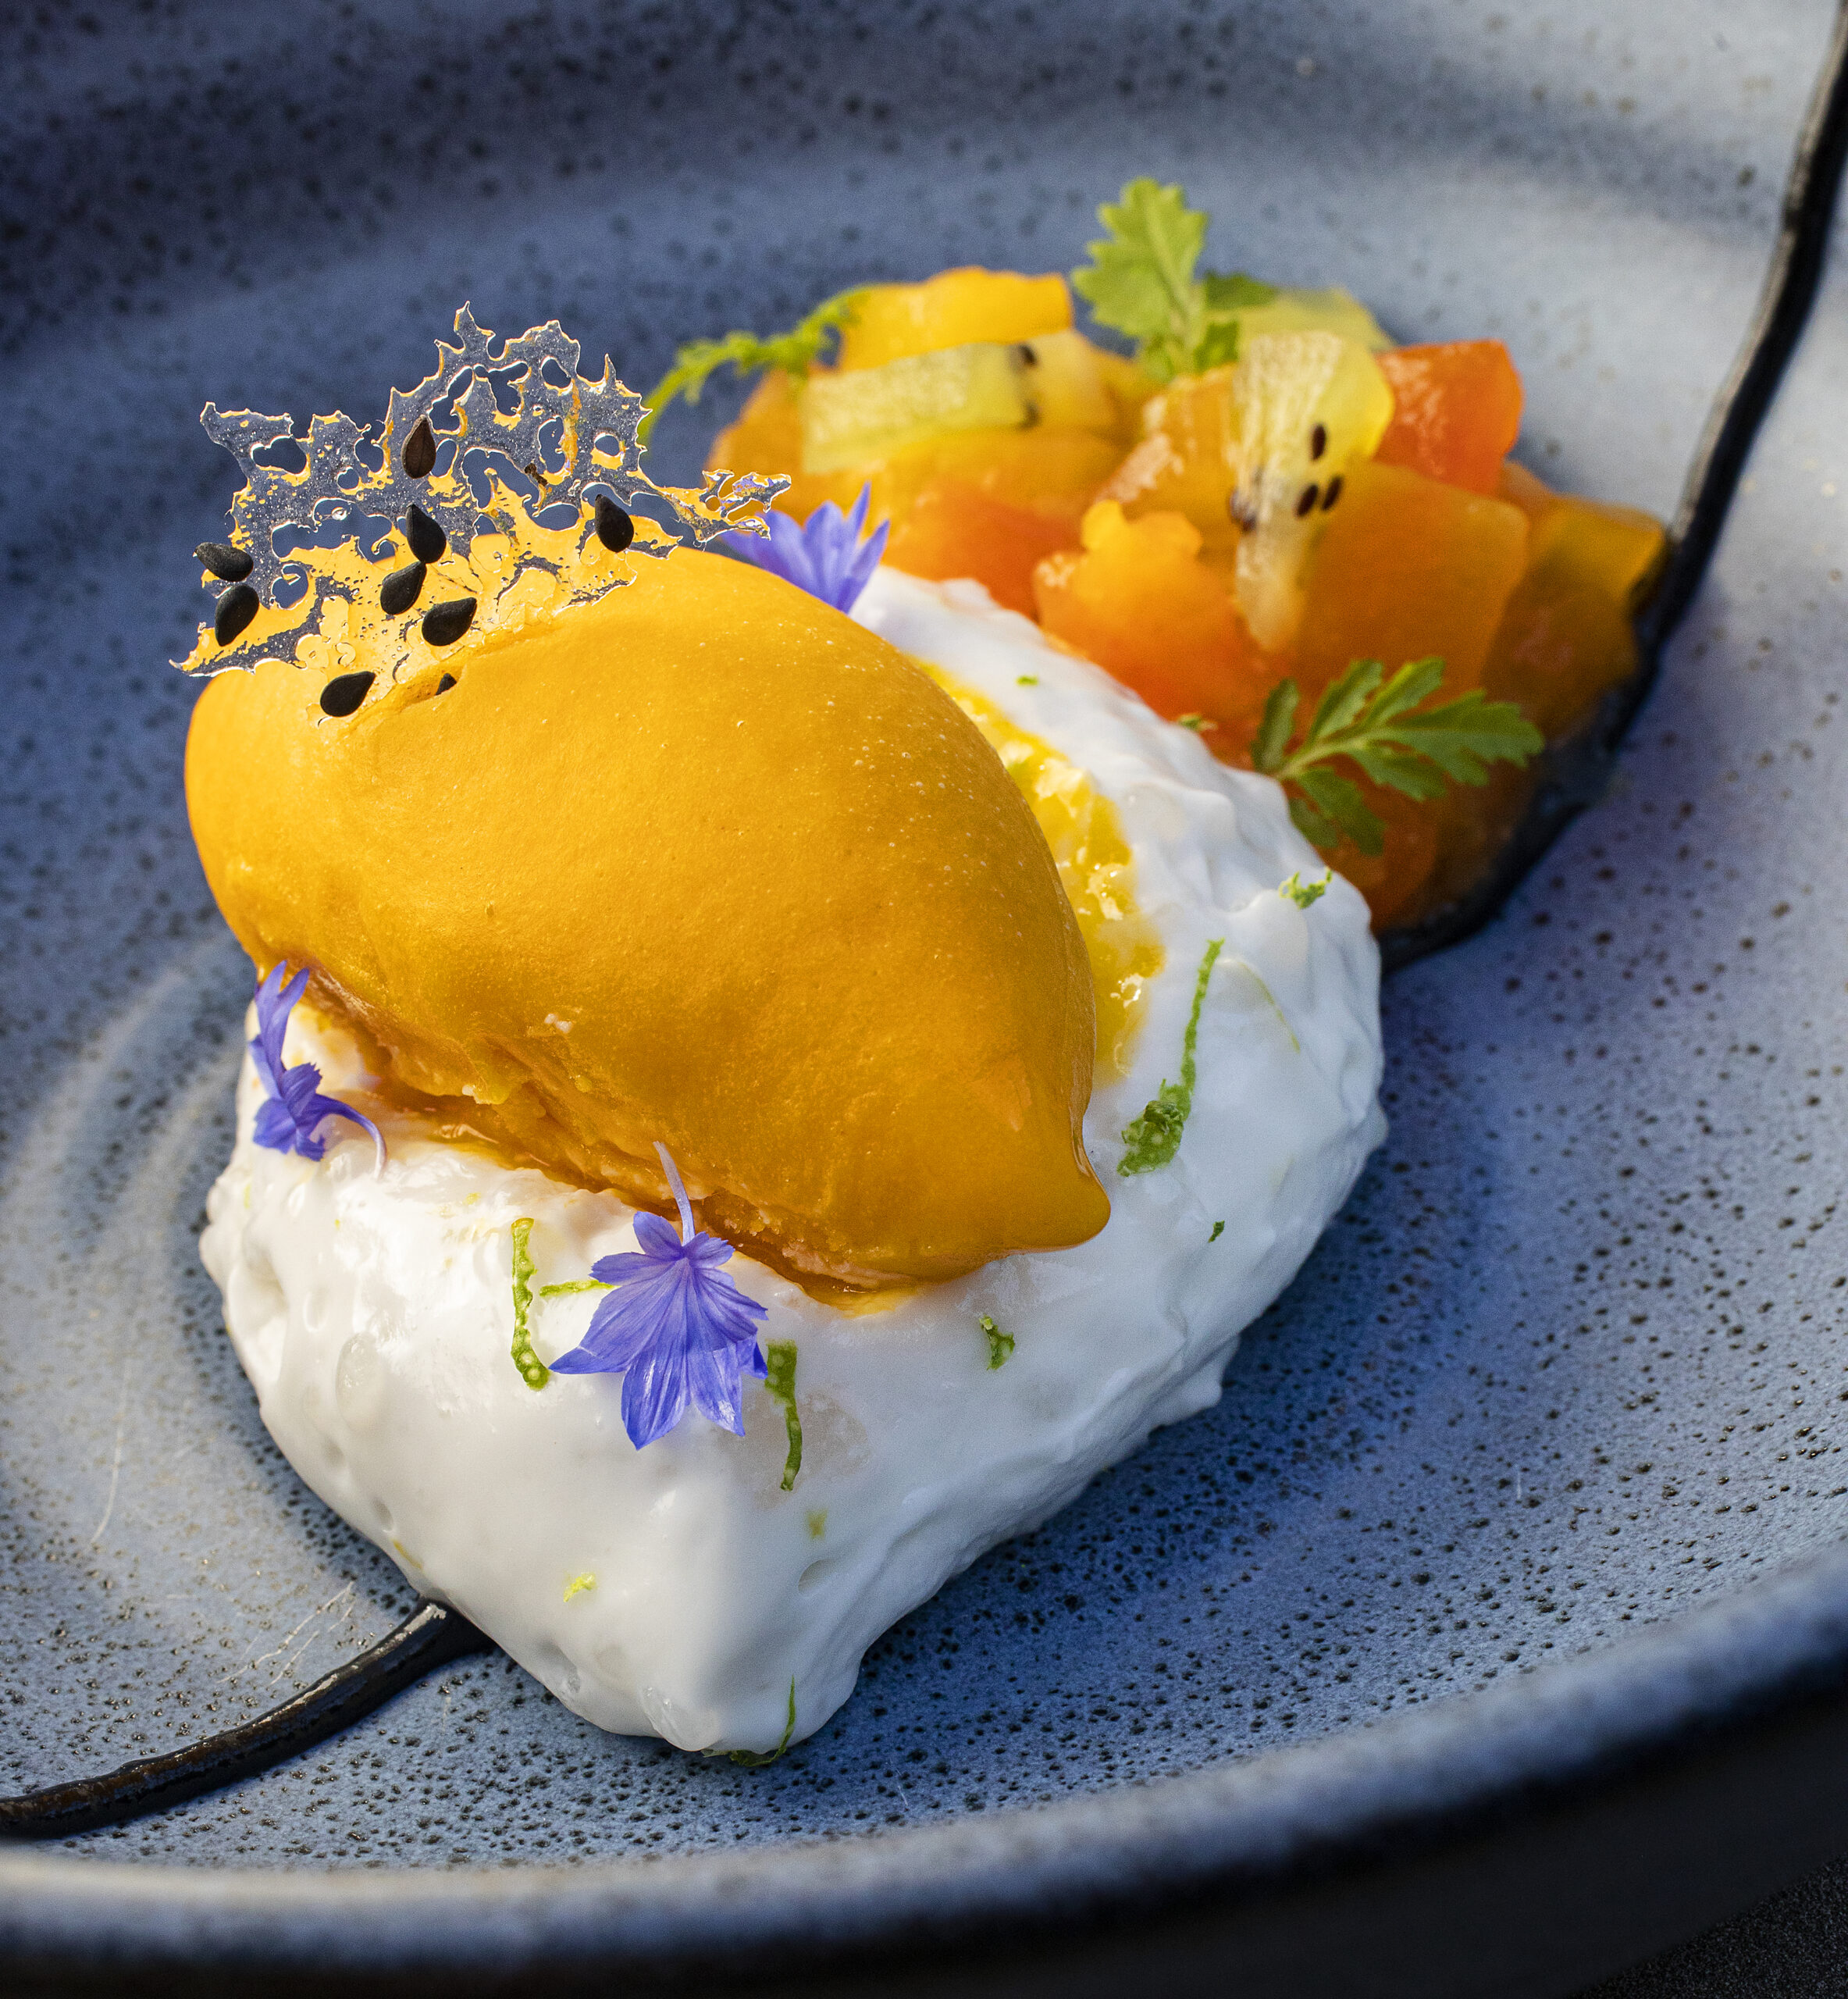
x=676 y=1329
x=296 y=1110
x=826 y=556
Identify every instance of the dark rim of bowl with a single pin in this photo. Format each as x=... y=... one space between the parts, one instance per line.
x=1718 y=1671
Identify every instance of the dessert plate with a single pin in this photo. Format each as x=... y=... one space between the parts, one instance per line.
x=1490 y=1630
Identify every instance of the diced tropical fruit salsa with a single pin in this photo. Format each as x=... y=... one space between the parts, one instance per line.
x=1278 y=527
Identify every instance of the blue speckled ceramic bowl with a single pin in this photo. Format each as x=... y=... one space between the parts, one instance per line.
x=1492 y=1627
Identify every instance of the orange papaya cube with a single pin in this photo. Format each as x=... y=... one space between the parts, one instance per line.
x=1051 y=471
x=1566 y=636
x=1408 y=567
x=1472 y=824
x=951 y=309
x=767 y=438
x=1137 y=600
x=1457 y=411
x=954 y=529
x=1187 y=461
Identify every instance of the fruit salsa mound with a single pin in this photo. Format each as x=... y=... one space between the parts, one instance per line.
x=1277 y=526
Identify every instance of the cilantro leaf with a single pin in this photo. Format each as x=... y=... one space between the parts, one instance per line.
x=1232 y=293
x=1154 y=1138
x=749 y=353
x=1379 y=726
x=1142 y=281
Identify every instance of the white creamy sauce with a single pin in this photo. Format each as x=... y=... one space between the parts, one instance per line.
x=373 y=1310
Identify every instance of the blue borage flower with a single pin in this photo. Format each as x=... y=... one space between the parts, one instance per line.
x=675 y=1327
x=296 y=1111
x=826 y=557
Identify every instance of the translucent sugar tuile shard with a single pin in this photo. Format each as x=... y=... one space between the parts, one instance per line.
x=524 y=446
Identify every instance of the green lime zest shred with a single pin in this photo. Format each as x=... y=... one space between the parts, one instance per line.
x=576 y=1284
x=533 y=1371
x=779 y=1383
x=1154 y=1138
x=1303 y=893
x=1219 y=1229
x=758 y=1760
x=1000 y=1344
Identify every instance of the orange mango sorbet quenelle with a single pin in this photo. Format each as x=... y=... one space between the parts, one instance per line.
x=1268 y=494
x=572 y=1005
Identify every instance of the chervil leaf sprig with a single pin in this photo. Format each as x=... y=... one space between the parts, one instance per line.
x=1142 y=281
x=750 y=354
x=1383 y=732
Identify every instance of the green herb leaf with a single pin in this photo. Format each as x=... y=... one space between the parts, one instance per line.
x=533 y=1371
x=1216 y=348
x=1154 y=1138
x=1379 y=726
x=1303 y=893
x=1219 y=1229
x=1000 y=1344
x=749 y=353
x=758 y=1760
x=1141 y=277
x=1142 y=281
x=779 y=1383
x=1337 y=799
x=1235 y=291
x=1273 y=738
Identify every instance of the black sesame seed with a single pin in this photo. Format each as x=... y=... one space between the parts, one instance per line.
x=428 y=543
x=447 y=682
x=1318 y=441
x=614 y=528
x=1333 y=492
x=444 y=623
x=420 y=451
x=344 y=693
x=236 y=609
x=1306 y=500
x=402 y=588
x=231 y=565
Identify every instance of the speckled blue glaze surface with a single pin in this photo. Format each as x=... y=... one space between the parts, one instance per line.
x=1571 y=1361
